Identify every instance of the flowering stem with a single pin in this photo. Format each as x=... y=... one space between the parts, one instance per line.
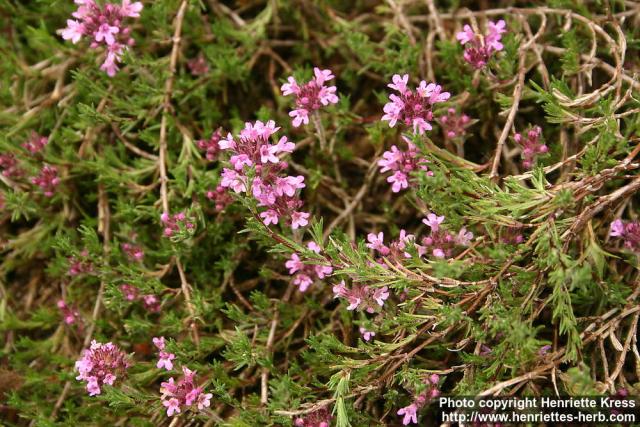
x=517 y=93
x=319 y=130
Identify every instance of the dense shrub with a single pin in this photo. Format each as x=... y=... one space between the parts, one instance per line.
x=314 y=213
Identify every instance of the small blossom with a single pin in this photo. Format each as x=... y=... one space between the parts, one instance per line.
x=629 y=232
x=69 y=315
x=211 y=146
x=319 y=418
x=129 y=292
x=198 y=65
x=304 y=274
x=47 y=180
x=366 y=335
x=80 y=265
x=531 y=145
x=453 y=124
x=151 y=303
x=9 y=165
x=133 y=252
x=433 y=221
x=409 y=414
x=176 y=223
x=36 y=143
x=221 y=197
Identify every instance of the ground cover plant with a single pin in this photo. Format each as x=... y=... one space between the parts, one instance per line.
x=314 y=213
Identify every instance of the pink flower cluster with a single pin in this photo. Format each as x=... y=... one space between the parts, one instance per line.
x=221 y=197
x=453 y=124
x=254 y=152
x=70 y=315
x=413 y=108
x=629 y=232
x=150 y=301
x=531 y=145
x=397 y=249
x=47 y=180
x=133 y=252
x=320 y=418
x=101 y=364
x=211 y=146
x=176 y=396
x=479 y=48
x=310 y=96
x=104 y=26
x=176 y=223
x=198 y=65
x=410 y=413
x=305 y=274
x=9 y=165
x=361 y=297
x=81 y=265
x=440 y=242
x=36 y=143
x=401 y=164
x=164 y=358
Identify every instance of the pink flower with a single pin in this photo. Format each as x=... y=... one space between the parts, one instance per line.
x=616 y=228
x=380 y=295
x=158 y=342
x=376 y=242
x=311 y=96
x=410 y=414
x=433 y=221
x=70 y=315
x=269 y=217
x=299 y=219
x=132 y=10
x=366 y=335
x=411 y=108
x=172 y=405
x=204 y=400
x=165 y=360
x=629 y=232
x=294 y=264
x=106 y=32
x=302 y=281
x=74 y=31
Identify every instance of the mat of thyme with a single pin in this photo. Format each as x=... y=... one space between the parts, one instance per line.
x=314 y=213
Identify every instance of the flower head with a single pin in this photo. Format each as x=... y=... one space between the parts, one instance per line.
x=413 y=108
x=479 y=48
x=101 y=364
x=310 y=96
x=103 y=25
x=184 y=393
